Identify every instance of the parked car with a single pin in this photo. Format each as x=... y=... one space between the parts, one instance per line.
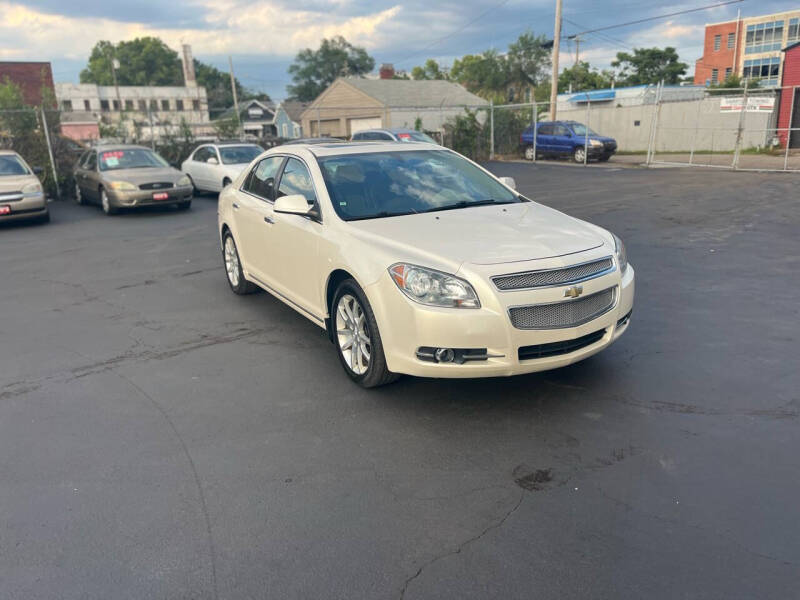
x=418 y=261
x=21 y=193
x=213 y=166
x=125 y=176
x=393 y=135
x=566 y=138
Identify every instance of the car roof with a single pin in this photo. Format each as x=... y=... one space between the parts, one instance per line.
x=107 y=147
x=359 y=147
x=230 y=143
x=8 y=153
x=389 y=130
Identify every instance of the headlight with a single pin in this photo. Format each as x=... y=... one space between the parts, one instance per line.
x=622 y=256
x=595 y=142
x=32 y=189
x=123 y=186
x=184 y=181
x=434 y=288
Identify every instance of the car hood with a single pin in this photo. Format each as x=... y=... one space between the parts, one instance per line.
x=482 y=235
x=602 y=138
x=140 y=176
x=15 y=183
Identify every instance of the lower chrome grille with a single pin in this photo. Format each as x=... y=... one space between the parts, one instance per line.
x=559 y=315
x=559 y=348
x=550 y=277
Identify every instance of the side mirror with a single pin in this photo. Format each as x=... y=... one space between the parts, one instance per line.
x=296 y=204
x=212 y=161
x=509 y=182
x=38 y=170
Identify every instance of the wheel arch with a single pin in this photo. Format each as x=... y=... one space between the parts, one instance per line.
x=335 y=278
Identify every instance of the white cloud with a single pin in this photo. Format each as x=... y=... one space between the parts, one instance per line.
x=233 y=27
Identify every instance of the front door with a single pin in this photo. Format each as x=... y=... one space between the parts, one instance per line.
x=294 y=243
x=253 y=218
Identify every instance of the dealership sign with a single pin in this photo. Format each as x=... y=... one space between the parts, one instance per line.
x=754 y=104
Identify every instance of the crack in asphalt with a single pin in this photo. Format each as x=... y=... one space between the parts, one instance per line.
x=195 y=475
x=462 y=545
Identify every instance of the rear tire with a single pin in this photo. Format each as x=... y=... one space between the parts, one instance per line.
x=233 y=267
x=357 y=339
x=529 y=153
x=79 y=195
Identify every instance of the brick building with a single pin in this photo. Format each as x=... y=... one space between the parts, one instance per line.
x=35 y=79
x=789 y=107
x=749 y=47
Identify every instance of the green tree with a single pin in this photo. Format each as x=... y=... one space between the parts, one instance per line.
x=649 y=65
x=314 y=70
x=142 y=61
x=583 y=77
x=483 y=74
x=218 y=88
x=430 y=70
x=528 y=61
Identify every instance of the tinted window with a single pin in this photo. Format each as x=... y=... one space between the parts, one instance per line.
x=296 y=180
x=91 y=162
x=561 y=130
x=261 y=180
x=383 y=184
x=581 y=129
x=237 y=155
x=359 y=136
x=202 y=154
x=11 y=165
x=546 y=129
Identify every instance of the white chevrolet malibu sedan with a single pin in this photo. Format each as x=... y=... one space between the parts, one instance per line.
x=417 y=261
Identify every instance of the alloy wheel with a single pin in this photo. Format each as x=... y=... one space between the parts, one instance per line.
x=78 y=195
x=231 y=261
x=529 y=153
x=352 y=334
x=105 y=202
x=580 y=155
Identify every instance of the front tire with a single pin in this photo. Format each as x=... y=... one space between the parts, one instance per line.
x=233 y=267
x=357 y=339
x=579 y=154
x=105 y=202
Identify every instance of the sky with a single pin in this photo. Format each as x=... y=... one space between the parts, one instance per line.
x=263 y=36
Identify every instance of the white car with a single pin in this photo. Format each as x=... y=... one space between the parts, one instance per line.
x=213 y=166
x=418 y=261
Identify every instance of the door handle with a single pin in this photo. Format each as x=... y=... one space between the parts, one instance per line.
x=235 y=206
x=269 y=220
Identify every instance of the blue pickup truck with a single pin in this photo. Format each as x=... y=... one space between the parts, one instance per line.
x=566 y=138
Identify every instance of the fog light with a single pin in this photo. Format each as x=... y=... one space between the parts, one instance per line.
x=445 y=355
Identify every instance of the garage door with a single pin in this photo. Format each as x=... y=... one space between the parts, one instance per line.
x=357 y=125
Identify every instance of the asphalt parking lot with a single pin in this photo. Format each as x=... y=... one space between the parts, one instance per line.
x=163 y=438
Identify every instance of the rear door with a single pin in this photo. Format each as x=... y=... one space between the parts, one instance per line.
x=562 y=139
x=199 y=167
x=544 y=138
x=253 y=216
x=90 y=180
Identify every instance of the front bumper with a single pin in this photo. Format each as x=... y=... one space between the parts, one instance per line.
x=145 y=197
x=25 y=207
x=406 y=326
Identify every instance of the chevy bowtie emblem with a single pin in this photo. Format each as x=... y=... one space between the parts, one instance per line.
x=573 y=292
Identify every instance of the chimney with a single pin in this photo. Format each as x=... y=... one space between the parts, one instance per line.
x=189 y=79
x=387 y=71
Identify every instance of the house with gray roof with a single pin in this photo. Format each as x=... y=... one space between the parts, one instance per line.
x=353 y=104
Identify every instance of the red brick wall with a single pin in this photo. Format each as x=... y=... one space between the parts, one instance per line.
x=31 y=77
x=791 y=77
x=722 y=58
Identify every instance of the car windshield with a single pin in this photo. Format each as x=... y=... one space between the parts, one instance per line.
x=580 y=129
x=386 y=184
x=133 y=158
x=415 y=136
x=11 y=165
x=236 y=155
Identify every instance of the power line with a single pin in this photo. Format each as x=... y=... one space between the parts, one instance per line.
x=673 y=14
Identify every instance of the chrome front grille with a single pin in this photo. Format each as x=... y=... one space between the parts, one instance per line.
x=550 y=277
x=157 y=185
x=558 y=315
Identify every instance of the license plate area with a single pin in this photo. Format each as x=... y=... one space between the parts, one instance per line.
x=160 y=196
x=5 y=210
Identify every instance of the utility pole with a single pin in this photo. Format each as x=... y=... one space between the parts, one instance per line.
x=554 y=78
x=577 y=49
x=114 y=67
x=235 y=97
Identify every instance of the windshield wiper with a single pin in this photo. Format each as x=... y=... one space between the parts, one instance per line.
x=382 y=215
x=467 y=204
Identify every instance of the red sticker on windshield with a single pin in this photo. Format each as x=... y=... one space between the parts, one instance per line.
x=116 y=154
